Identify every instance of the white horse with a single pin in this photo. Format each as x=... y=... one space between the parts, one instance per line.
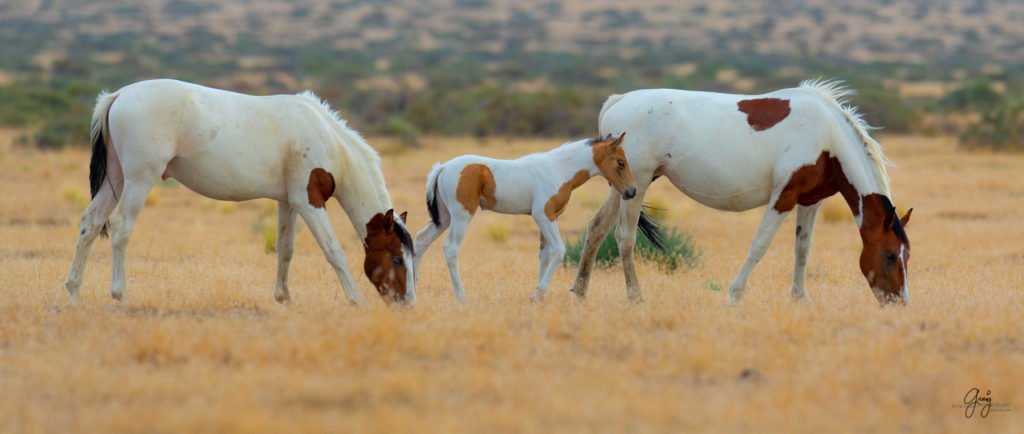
x=228 y=146
x=788 y=149
x=537 y=184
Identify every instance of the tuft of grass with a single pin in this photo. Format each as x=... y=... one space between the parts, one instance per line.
x=227 y=207
x=711 y=285
x=270 y=238
x=498 y=232
x=153 y=197
x=680 y=250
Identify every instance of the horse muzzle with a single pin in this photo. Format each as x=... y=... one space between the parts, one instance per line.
x=628 y=193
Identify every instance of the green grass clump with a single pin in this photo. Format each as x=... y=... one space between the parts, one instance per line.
x=680 y=250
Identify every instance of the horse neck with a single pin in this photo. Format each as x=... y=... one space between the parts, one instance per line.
x=567 y=161
x=363 y=195
x=862 y=185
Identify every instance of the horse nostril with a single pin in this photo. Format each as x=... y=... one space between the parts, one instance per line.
x=629 y=193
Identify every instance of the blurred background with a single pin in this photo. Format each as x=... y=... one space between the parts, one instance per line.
x=415 y=68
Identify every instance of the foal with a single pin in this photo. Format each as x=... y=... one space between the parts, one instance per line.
x=537 y=184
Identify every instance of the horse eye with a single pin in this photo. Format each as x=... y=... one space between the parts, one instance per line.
x=891 y=257
x=397 y=261
x=622 y=164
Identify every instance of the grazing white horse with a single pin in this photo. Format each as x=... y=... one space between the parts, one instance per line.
x=228 y=146
x=788 y=149
x=537 y=184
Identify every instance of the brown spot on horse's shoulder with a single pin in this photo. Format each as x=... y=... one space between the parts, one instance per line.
x=764 y=113
x=320 y=187
x=556 y=204
x=476 y=187
x=813 y=182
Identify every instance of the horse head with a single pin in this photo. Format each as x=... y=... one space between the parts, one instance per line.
x=389 y=254
x=610 y=159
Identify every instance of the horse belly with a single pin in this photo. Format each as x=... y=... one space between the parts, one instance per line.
x=723 y=188
x=243 y=177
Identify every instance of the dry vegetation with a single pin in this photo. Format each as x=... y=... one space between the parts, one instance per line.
x=200 y=345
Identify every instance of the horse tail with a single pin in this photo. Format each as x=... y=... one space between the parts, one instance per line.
x=651 y=229
x=99 y=135
x=608 y=103
x=435 y=216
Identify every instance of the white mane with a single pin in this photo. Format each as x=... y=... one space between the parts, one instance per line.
x=837 y=92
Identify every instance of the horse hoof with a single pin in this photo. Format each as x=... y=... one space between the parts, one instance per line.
x=117 y=296
x=283 y=300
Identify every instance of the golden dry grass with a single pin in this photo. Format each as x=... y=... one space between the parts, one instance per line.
x=200 y=345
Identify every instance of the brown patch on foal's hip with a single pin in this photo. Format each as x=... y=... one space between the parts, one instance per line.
x=320 y=187
x=764 y=113
x=556 y=204
x=476 y=187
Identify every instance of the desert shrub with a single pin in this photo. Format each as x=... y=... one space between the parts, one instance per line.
x=680 y=250
x=1001 y=127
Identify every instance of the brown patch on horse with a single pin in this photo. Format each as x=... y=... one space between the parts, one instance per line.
x=384 y=263
x=814 y=182
x=610 y=159
x=320 y=187
x=556 y=203
x=764 y=113
x=476 y=187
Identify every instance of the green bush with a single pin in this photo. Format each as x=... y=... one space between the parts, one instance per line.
x=680 y=249
x=1001 y=127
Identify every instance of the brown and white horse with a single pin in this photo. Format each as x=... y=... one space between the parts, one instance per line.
x=537 y=184
x=228 y=146
x=788 y=149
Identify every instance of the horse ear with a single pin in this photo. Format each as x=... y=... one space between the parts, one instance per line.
x=906 y=217
x=404 y=217
x=389 y=219
x=618 y=141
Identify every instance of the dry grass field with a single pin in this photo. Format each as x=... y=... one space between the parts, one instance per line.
x=201 y=346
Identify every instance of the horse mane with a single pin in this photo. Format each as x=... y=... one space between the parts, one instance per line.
x=837 y=92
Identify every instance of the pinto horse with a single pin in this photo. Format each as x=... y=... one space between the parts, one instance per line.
x=537 y=184
x=228 y=146
x=788 y=149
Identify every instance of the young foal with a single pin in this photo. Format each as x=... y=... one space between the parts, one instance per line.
x=228 y=146
x=537 y=184
x=788 y=149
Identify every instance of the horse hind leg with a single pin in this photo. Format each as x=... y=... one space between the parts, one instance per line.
x=286 y=216
x=551 y=254
x=805 y=218
x=597 y=229
x=93 y=219
x=122 y=223
x=625 y=236
x=452 y=246
x=430 y=233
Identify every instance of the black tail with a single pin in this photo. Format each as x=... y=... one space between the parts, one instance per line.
x=435 y=216
x=98 y=164
x=651 y=229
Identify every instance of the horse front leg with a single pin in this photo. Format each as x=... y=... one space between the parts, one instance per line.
x=597 y=229
x=286 y=216
x=320 y=226
x=805 y=218
x=765 y=233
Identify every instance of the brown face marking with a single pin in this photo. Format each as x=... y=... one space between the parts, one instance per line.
x=476 y=187
x=556 y=204
x=320 y=187
x=764 y=113
x=384 y=263
x=610 y=159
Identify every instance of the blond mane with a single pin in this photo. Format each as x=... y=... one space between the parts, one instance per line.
x=836 y=92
